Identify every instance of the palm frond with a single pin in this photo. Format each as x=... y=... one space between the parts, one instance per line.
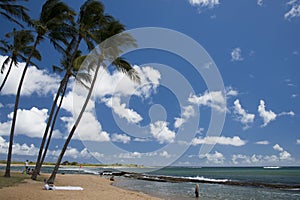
x=125 y=67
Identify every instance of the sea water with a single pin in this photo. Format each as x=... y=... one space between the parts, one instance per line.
x=215 y=178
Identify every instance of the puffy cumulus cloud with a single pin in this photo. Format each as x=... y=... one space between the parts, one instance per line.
x=89 y=129
x=73 y=102
x=283 y=155
x=215 y=158
x=298 y=141
x=31 y=123
x=263 y=142
x=277 y=147
x=36 y=81
x=267 y=116
x=242 y=115
x=117 y=83
x=214 y=99
x=205 y=3
x=234 y=141
x=120 y=109
x=294 y=10
x=18 y=149
x=188 y=111
x=161 y=132
x=240 y=159
x=236 y=54
x=123 y=138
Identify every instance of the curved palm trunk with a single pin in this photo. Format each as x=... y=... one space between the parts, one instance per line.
x=53 y=124
x=13 y=124
x=38 y=162
x=55 y=170
x=6 y=76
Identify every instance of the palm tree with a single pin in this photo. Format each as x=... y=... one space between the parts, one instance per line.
x=94 y=28
x=83 y=77
x=18 y=50
x=12 y=11
x=91 y=18
x=54 y=21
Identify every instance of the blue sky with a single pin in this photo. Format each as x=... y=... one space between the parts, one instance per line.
x=254 y=45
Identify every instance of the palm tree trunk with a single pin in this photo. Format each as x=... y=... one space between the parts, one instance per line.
x=6 y=76
x=13 y=123
x=53 y=123
x=38 y=164
x=55 y=170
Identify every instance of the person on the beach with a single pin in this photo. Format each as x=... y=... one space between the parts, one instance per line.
x=197 y=190
x=26 y=166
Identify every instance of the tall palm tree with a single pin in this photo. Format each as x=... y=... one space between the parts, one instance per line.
x=19 y=49
x=91 y=18
x=94 y=28
x=12 y=11
x=54 y=21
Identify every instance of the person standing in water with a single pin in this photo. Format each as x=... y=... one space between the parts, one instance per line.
x=197 y=190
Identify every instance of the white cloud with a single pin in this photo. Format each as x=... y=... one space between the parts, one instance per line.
x=117 y=83
x=120 y=138
x=188 y=111
x=260 y=2
x=244 y=117
x=36 y=81
x=283 y=155
x=214 y=99
x=18 y=149
x=264 y=142
x=294 y=10
x=88 y=129
x=236 y=54
x=161 y=132
x=1 y=105
x=234 y=141
x=204 y=3
x=277 y=147
x=120 y=109
x=31 y=123
x=267 y=116
x=216 y=158
x=291 y=113
x=298 y=141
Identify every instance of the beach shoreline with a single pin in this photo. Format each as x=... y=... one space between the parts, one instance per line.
x=94 y=187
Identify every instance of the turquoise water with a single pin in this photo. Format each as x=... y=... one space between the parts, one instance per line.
x=212 y=181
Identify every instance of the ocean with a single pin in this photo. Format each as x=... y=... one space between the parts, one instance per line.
x=215 y=183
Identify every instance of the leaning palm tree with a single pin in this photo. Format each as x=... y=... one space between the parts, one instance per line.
x=97 y=30
x=13 y=12
x=84 y=77
x=18 y=50
x=54 y=21
x=91 y=19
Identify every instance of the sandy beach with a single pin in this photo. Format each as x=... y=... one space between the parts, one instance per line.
x=95 y=187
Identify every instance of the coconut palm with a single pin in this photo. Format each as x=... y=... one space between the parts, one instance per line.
x=90 y=20
x=12 y=11
x=54 y=21
x=83 y=78
x=18 y=50
x=94 y=28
